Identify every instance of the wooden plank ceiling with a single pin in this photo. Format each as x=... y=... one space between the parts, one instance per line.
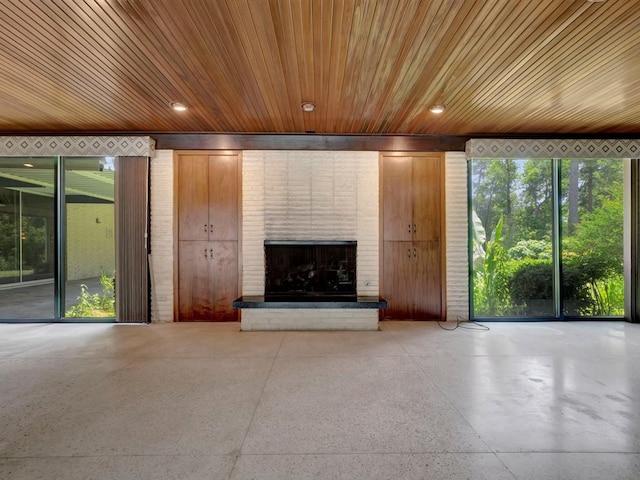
x=370 y=66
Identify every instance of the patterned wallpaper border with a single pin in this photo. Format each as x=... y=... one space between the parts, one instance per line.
x=77 y=146
x=541 y=148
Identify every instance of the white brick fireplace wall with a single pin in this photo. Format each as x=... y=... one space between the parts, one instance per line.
x=260 y=171
x=309 y=195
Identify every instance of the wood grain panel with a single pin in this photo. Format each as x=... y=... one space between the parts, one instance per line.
x=427 y=290
x=411 y=233
x=208 y=186
x=208 y=281
x=397 y=193
x=407 y=143
x=193 y=197
x=223 y=273
x=373 y=68
x=194 y=282
x=223 y=197
x=399 y=282
x=427 y=197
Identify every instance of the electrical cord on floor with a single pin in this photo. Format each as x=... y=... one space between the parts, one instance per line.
x=465 y=324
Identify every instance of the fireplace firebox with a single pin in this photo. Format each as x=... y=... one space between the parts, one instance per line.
x=310 y=270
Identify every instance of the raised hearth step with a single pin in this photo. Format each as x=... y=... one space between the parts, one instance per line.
x=309 y=302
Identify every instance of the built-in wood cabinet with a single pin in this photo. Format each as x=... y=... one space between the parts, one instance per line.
x=411 y=247
x=208 y=197
x=208 y=280
x=207 y=234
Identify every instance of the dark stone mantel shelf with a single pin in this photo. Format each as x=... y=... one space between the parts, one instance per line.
x=309 y=302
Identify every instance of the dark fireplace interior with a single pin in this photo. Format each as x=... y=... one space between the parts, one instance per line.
x=310 y=270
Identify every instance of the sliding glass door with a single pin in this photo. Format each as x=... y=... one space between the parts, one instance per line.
x=57 y=257
x=27 y=238
x=592 y=237
x=89 y=253
x=546 y=238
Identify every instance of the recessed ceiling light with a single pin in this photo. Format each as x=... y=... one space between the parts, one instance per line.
x=178 y=107
x=437 y=109
x=308 y=106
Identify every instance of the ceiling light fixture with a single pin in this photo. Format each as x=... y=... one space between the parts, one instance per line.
x=28 y=165
x=437 y=109
x=178 y=107
x=308 y=106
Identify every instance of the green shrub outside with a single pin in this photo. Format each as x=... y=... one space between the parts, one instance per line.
x=591 y=287
x=522 y=283
x=91 y=305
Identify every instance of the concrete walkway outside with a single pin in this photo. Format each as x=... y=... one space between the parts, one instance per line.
x=35 y=302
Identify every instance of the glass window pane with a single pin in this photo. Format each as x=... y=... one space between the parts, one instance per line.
x=27 y=238
x=592 y=237
x=90 y=240
x=512 y=228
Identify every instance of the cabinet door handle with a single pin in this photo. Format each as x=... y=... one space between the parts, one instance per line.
x=415 y=253
x=414 y=228
x=205 y=228
x=210 y=228
x=409 y=253
x=211 y=252
x=205 y=253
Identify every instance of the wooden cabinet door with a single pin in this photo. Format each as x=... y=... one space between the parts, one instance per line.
x=412 y=257
x=193 y=197
x=427 y=288
x=208 y=197
x=426 y=205
x=207 y=236
x=223 y=197
x=223 y=261
x=194 y=285
x=398 y=198
x=398 y=284
x=208 y=281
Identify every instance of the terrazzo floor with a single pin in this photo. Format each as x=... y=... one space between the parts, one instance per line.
x=411 y=401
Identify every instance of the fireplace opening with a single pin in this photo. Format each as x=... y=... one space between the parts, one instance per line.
x=310 y=270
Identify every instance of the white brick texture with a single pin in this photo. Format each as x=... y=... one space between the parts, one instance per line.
x=309 y=195
x=457 y=236
x=161 y=258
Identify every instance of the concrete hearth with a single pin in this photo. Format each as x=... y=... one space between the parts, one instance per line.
x=360 y=313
